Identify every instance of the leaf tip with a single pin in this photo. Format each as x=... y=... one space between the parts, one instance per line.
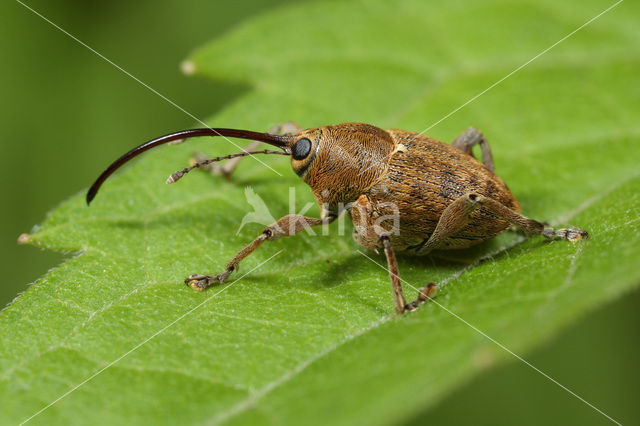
x=187 y=67
x=24 y=238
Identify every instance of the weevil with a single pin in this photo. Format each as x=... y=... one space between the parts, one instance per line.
x=405 y=192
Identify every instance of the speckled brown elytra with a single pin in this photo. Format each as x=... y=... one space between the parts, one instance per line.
x=404 y=191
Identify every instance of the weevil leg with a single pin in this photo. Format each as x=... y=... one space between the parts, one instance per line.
x=286 y=128
x=531 y=226
x=226 y=169
x=453 y=219
x=398 y=295
x=396 y=285
x=284 y=227
x=456 y=216
x=470 y=137
x=368 y=235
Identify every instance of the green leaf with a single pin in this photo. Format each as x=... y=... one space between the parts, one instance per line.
x=309 y=335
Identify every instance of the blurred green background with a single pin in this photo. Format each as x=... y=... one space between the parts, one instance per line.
x=66 y=113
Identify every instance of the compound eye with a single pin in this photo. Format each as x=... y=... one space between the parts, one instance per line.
x=301 y=149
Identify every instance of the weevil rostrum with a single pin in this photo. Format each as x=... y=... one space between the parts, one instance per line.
x=440 y=196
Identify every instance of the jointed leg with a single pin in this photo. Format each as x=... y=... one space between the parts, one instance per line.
x=456 y=216
x=287 y=226
x=227 y=168
x=470 y=137
x=452 y=220
x=400 y=302
x=530 y=226
x=396 y=285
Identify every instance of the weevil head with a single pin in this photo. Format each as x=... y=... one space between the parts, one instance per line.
x=340 y=162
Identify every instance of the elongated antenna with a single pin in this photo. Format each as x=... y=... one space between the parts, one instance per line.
x=174 y=177
x=279 y=141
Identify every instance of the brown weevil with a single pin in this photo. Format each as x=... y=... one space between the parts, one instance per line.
x=404 y=191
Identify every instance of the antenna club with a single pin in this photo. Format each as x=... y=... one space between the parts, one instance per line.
x=174 y=177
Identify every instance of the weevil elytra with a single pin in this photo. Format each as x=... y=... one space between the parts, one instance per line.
x=404 y=191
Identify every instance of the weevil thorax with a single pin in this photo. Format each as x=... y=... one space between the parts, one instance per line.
x=341 y=162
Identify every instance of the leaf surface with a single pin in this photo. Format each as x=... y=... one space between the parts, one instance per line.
x=309 y=335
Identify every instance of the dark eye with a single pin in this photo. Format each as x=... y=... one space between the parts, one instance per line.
x=301 y=149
